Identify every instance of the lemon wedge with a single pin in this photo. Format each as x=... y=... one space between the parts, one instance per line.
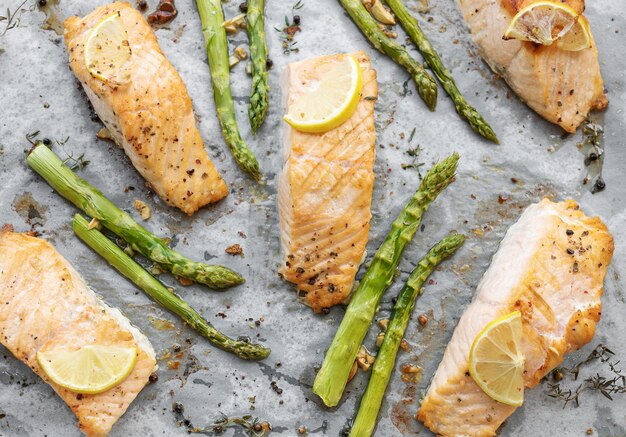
x=329 y=101
x=91 y=369
x=577 y=38
x=107 y=50
x=542 y=22
x=496 y=360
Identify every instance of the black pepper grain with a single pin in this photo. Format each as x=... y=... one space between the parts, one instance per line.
x=269 y=63
x=42 y=3
x=243 y=7
x=178 y=408
x=600 y=185
x=569 y=232
x=570 y=251
x=296 y=20
x=47 y=142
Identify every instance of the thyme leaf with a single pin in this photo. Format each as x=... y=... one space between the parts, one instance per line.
x=607 y=386
x=287 y=33
x=76 y=163
x=414 y=153
x=12 y=18
x=252 y=426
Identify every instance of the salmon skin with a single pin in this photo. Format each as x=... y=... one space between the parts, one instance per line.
x=550 y=266
x=325 y=191
x=46 y=305
x=561 y=86
x=150 y=114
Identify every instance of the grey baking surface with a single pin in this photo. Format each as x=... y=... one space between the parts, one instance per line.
x=39 y=92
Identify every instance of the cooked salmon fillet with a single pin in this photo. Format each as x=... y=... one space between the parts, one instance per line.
x=149 y=115
x=46 y=305
x=325 y=191
x=561 y=86
x=550 y=266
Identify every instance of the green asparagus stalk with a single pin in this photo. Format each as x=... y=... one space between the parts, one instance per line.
x=385 y=360
x=464 y=109
x=257 y=107
x=212 y=18
x=91 y=201
x=426 y=85
x=333 y=376
x=164 y=297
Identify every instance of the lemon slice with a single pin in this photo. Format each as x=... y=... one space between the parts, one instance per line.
x=577 y=38
x=496 y=360
x=107 y=50
x=542 y=22
x=91 y=369
x=330 y=101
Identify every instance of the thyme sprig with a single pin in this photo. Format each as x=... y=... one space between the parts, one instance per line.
x=12 y=19
x=601 y=352
x=607 y=386
x=292 y=27
x=74 y=163
x=413 y=152
x=252 y=426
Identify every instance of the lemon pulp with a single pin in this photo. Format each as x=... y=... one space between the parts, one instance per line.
x=546 y=22
x=91 y=369
x=497 y=362
x=107 y=50
x=330 y=101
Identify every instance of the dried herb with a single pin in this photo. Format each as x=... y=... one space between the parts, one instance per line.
x=31 y=136
x=76 y=163
x=591 y=147
x=12 y=19
x=414 y=153
x=292 y=27
x=615 y=383
x=252 y=426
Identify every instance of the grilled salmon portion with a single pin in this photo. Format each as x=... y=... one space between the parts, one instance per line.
x=325 y=192
x=561 y=86
x=550 y=266
x=46 y=305
x=149 y=115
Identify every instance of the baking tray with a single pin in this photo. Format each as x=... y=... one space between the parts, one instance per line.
x=535 y=159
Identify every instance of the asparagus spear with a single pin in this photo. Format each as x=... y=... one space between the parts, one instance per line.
x=426 y=85
x=464 y=109
x=333 y=376
x=385 y=360
x=212 y=18
x=258 y=55
x=157 y=291
x=90 y=200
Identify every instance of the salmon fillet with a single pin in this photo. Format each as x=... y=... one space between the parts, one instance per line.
x=325 y=191
x=149 y=115
x=560 y=86
x=47 y=305
x=550 y=266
